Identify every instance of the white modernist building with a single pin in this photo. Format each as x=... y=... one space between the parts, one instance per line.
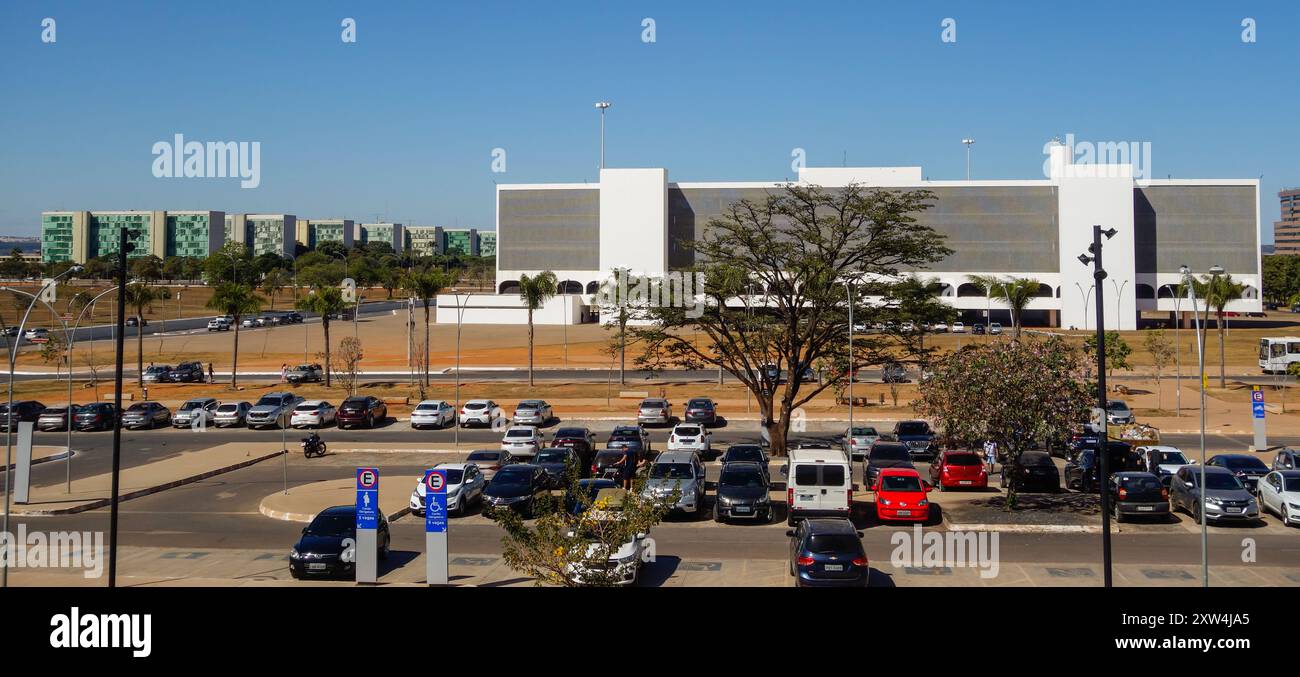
x=640 y=220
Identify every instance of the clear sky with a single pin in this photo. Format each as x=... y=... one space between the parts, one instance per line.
x=403 y=122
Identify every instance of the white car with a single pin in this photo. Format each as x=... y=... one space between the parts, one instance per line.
x=313 y=414
x=521 y=440
x=939 y=328
x=958 y=328
x=1279 y=493
x=432 y=414
x=995 y=327
x=690 y=437
x=624 y=562
x=478 y=412
x=218 y=324
x=465 y=483
x=1163 y=461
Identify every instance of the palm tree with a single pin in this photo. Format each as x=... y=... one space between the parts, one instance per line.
x=535 y=292
x=324 y=301
x=1216 y=292
x=1015 y=292
x=235 y=300
x=425 y=287
x=141 y=296
x=273 y=283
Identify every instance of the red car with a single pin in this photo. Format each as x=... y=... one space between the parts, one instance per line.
x=900 y=495
x=961 y=469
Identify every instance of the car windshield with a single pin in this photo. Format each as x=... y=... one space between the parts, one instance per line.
x=672 y=471
x=570 y=432
x=1222 y=481
x=1170 y=458
x=529 y=404
x=484 y=456
x=156 y=370
x=888 y=452
x=654 y=404
x=830 y=544
x=689 y=431
x=609 y=458
x=475 y=405
x=1116 y=406
x=744 y=454
x=192 y=404
x=1140 y=483
x=1293 y=484
x=427 y=406
x=512 y=478
x=699 y=403
x=454 y=475
x=228 y=408
x=861 y=432
x=964 y=459
x=269 y=402
x=138 y=406
x=520 y=432
x=749 y=477
x=900 y=483
x=913 y=428
x=333 y=524
x=1245 y=463
x=551 y=457
x=1035 y=458
x=307 y=407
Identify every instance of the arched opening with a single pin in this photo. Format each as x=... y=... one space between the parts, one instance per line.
x=1045 y=291
x=569 y=287
x=945 y=289
x=969 y=289
x=509 y=287
x=1058 y=292
x=593 y=287
x=1249 y=292
x=1167 y=291
x=1145 y=291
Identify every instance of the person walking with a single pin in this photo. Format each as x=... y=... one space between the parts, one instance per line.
x=629 y=467
x=212 y=376
x=991 y=453
x=284 y=372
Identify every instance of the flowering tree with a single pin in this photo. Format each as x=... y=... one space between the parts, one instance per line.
x=1018 y=394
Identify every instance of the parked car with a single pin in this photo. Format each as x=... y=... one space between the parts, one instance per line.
x=186 y=372
x=918 y=437
x=901 y=495
x=818 y=484
x=884 y=455
x=560 y=463
x=305 y=373
x=489 y=461
x=230 y=414
x=974 y=329
x=520 y=487
x=272 y=410
x=622 y=566
x=1083 y=472
x=960 y=328
x=1162 y=461
x=465 y=485
x=218 y=324
x=521 y=441
x=995 y=328
x=320 y=550
x=96 y=416
x=629 y=437
x=747 y=453
x=828 y=553
x=1138 y=494
x=313 y=414
x=364 y=410
x=1226 y=498
x=608 y=463
x=432 y=414
x=1118 y=413
x=198 y=409
x=893 y=372
x=146 y=415
x=858 y=440
x=588 y=491
x=581 y=440
x=690 y=437
x=678 y=470
x=37 y=335
x=9 y=332
x=1279 y=493
x=655 y=411
x=1249 y=469
x=533 y=412
x=939 y=328
x=958 y=470
x=1287 y=459
x=158 y=373
x=134 y=321
x=55 y=418
x=701 y=410
x=744 y=492
x=478 y=412
x=1037 y=473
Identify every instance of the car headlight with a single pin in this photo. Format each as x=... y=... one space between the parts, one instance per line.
x=885 y=501
x=922 y=503
x=1294 y=506
x=293 y=553
x=1214 y=501
x=763 y=500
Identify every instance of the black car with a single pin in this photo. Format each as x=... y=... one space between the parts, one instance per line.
x=884 y=455
x=918 y=437
x=1249 y=469
x=361 y=410
x=977 y=329
x=1080 y=440
x=589 y=488
x=1138 y=494
x=743 y=492
x=828 y=553
x=95 y=416
x=521 y=487
x=186 y=372
x=608 y=462
x=1037 y=473
x=559 y=463
x=701 y=410
x=628 y=437
x=134 y=321
x=581 y=440
x=747 y=453
x=23 y=410
x=1083 y=472
x=320 y=550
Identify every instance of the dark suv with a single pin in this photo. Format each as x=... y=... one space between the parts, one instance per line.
x=918 y=437
x=25 y=410
x=1083 y=472
x=828 y=553
x=95 y=416
x=361 y=410
x=701 y=410
x=186 y=372
x=884 y=455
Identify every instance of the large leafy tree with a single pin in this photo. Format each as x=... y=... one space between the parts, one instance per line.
x=235 y=300
x=1014 y=292
x=618 y=314
x=1016 y=393
x=232 y=263
x=1117 y=351
x=1161 y=349
x=808 y=250
x=1216 y=292
x=141 y=298
x=325 y=302
x=425 y=286
x=535 y=291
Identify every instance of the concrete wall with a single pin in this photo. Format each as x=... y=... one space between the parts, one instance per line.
x=634 y=220
x=508 y=309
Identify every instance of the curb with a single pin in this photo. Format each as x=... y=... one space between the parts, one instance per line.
x=56 y=457
x=1029 y=528
x=290 y=516
x=101 y=502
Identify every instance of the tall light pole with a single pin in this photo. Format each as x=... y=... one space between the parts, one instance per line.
x=1200 y=358
x=602 y=106
x=1099 y=277
x=1178 y=351
x=969 y=142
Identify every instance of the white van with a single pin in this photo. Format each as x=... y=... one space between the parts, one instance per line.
x=819 y=483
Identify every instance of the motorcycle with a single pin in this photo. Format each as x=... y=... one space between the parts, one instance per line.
x=313 y=446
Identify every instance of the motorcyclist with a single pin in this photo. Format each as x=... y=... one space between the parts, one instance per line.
x=311 y=443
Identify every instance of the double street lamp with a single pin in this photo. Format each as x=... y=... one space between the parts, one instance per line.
x=1099 y=276
x=1189 y=284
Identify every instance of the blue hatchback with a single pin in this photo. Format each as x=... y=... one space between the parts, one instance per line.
x=828 y=553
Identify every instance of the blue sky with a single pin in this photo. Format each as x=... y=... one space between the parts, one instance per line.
x=403 y=122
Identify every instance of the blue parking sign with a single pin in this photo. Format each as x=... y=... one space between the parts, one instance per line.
x=367 y=498
x=435 y=501
x=1257 y=408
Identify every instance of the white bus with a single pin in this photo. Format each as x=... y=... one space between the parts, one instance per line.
x=1275 y=354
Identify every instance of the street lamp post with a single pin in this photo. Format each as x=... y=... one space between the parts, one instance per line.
x=1119 y=297
x=72 y=338
x=460 y=316
x=1178 y=351
x=1099 y=276
x=968 y=142
x=602 y=106
x=1087 y=298
x=1200 y=359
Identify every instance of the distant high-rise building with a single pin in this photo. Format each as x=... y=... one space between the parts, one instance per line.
x=423 y=240
x=78 y=236
x=462 y=241
x=311 y=233
x=391 y=233
x=487 y=243
x=1286 y=232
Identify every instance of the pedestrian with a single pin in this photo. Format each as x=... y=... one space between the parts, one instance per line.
x=991 y=453
x=212 y=376
x=284 y=372
x=629 y=467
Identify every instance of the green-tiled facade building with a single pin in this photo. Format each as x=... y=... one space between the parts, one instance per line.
x=78 y=236
x=487 y=243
